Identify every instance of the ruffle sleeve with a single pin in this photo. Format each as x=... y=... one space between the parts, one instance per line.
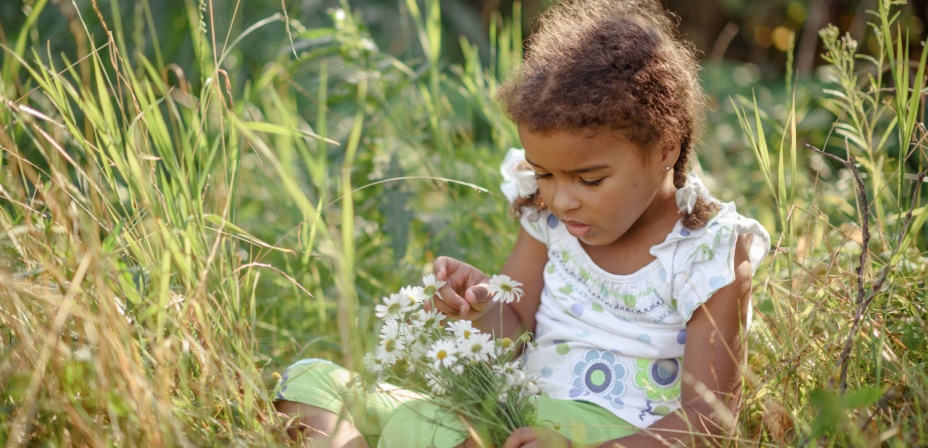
x=702 y=261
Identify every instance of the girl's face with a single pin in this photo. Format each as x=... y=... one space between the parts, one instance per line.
x=599 y=184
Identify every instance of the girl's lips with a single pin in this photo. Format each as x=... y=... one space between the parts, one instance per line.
x=578 y=229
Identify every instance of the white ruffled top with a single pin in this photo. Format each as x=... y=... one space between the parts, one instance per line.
x=617 y=340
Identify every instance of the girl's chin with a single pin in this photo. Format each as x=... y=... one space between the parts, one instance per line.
x=592 y=240
x=596 y=239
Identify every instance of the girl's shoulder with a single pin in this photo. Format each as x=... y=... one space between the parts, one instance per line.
x=699 y=262
x=718 y=236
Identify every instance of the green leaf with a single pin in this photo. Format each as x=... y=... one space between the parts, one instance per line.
x=271 y=128
x=111 y=242
x=830 y=412
x=396 y=212
x=862 y=397
x=765 y=306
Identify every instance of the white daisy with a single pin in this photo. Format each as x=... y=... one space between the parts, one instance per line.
x=504 y=289
x=412 y=297
x=504 y=346
x=406 y=332
x=410 y=366
x=444 y=353
x=478 y=347
x=372 y=364
x=416 y=350
x=516 y=378
x=509 y=368
x=531 y=389
x=385 y=356
x=431 y=285
x=462 y=329
x=391 y=343
x=435 y=384
x=392 y=308
x=391 y=329
x=428 y=319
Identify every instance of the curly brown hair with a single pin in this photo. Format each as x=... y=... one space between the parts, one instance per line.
x=612 y=64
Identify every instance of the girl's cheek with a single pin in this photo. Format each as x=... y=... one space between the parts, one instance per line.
x=545 y=192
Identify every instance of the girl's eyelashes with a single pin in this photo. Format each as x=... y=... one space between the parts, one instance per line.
x=589 y=183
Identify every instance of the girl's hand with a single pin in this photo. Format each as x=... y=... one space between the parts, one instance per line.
x=465 y=293
x=529 y=437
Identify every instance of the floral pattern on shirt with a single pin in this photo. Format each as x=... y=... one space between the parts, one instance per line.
x=599 y=372
x=659 y=378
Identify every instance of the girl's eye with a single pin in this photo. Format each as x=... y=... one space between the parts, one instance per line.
x=540 y=176
x=592 y=183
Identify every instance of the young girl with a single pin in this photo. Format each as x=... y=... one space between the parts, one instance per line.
x=637 y=282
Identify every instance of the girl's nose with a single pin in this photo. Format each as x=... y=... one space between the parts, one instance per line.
x=564 y=200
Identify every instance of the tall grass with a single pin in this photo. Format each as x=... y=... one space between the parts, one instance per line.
x=839 y=355
x=172 y=235
x=127 y=305
x=168 y=243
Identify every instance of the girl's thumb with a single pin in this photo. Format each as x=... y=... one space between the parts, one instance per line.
x=477 y=294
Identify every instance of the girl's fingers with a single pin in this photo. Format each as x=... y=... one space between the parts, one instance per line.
x=474 y=301
x=528 y=437
x=454 y=274
x=447 y=301
x=438 y=304
x=464 y=289
x=477 y=297
x=477 y=294
x=520 y=438
x=451 y=301
x=443 y=267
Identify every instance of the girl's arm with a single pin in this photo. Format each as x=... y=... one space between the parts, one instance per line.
x=465 y=294
x=712 y=361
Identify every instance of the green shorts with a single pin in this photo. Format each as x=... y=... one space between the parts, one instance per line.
x=392 y=417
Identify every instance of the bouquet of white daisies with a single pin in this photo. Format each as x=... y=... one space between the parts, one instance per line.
x=460 y=367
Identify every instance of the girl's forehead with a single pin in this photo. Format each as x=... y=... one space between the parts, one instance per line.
x=587 y=137
x=584 y=135
x=566 y=149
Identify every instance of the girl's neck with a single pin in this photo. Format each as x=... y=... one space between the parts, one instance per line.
x=632 y=251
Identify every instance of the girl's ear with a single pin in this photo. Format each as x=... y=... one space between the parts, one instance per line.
x=670 y=153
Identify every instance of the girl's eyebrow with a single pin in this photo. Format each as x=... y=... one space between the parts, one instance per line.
x=582 y=170
x=587 y=169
